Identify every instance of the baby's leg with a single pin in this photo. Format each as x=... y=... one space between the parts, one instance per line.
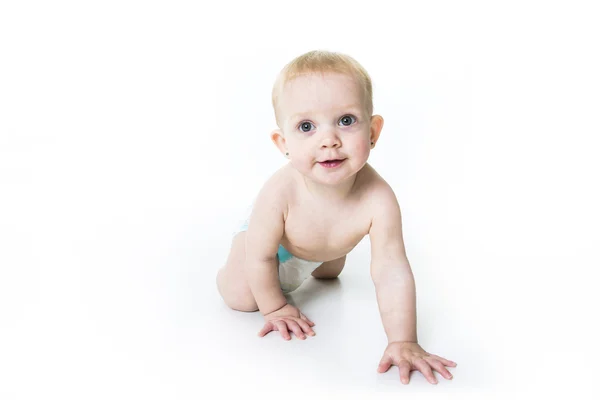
x=330 y=269
x=231 y=279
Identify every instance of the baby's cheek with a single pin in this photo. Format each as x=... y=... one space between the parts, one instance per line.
x=361 y=148
x=303 y=163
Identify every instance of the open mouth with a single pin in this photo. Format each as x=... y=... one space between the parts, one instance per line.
x=331 y=163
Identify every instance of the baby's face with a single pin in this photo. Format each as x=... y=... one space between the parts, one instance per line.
x=323 y=117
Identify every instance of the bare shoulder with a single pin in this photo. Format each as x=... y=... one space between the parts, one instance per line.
x=377 y=193
x=274 y=195
x=266 y=223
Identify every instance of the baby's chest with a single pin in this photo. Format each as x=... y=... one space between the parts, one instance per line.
x=324 y=236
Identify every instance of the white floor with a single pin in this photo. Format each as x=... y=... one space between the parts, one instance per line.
x=129 y=133
x=129 y=309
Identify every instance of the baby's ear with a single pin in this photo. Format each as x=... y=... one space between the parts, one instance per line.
x=279 y=140
x=376 y=126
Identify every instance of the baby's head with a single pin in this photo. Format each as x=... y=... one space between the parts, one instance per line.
x=320 y=62
x=323 y=103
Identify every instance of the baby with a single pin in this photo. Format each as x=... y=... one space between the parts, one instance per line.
x=313 y=211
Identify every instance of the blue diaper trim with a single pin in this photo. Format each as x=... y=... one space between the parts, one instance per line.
x=283 y=254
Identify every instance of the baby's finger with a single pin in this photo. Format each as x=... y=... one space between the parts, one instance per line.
x=384 y=364
x=304 y=317
x=404 y=367
x=305 y=327
x=444 y=361
x=425 y=370
x=283 y=329
x=294 y=327
x=439 y=367
x=268 y=327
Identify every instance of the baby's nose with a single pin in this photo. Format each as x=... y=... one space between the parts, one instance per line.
x=331 y=142
x=330 y=138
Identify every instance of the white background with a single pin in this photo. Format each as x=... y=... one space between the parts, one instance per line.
x=133 y=134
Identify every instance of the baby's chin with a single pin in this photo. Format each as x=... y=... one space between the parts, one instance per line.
x=329 y=178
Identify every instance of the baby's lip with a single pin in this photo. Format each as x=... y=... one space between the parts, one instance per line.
x=333 y=159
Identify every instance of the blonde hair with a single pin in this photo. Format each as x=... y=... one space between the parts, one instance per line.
x=321 y=61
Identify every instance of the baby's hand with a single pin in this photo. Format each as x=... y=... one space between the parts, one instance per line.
x=409 y=356
x=287 y=319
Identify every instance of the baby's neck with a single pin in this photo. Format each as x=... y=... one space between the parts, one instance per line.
x=326 y=193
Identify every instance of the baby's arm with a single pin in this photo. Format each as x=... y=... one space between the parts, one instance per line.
x=395 y=287
x=265 y=230
x=390 y=269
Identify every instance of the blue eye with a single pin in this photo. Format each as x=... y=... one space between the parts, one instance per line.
x=347 y=120
x=305 y=126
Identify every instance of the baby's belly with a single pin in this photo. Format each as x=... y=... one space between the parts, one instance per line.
x=319 y=249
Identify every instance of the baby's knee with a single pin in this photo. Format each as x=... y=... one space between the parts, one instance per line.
x=244 y=306
x=235 y=297
x=330 y=269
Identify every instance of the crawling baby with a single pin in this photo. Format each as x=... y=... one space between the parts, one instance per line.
x=314 y=210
